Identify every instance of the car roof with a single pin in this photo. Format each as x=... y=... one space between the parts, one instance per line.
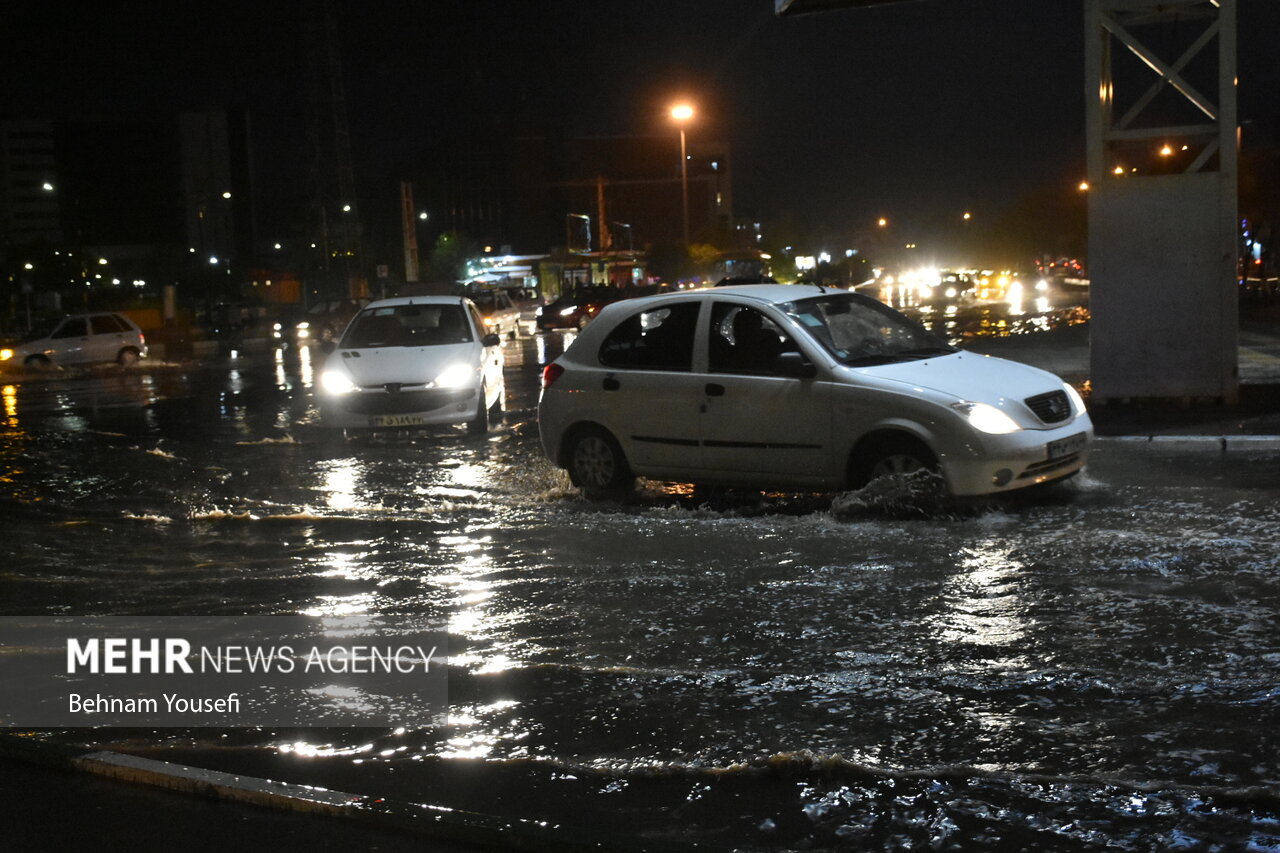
x=415 y=300
x=92 y=314
x=771 y=293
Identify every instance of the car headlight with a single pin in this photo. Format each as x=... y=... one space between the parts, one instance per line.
x=455 y=376
x=1077 y=402
x=565 y=312
x=336 y=382
x=986 y=418
x=6 y=354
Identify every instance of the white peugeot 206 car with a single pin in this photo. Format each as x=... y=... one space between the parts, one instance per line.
x=413 y=362
x=797 y=387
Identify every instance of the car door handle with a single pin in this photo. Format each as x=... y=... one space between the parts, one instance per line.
x=714 y=389
x=611 y=384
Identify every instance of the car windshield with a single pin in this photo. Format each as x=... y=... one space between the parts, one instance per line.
x=489 y=302
x=41 y=329
x=408 y=326
x=860 y=331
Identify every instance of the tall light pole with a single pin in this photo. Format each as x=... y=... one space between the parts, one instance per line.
x=681 y=113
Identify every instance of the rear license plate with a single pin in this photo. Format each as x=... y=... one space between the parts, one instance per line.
x=1067 y=446
x=397 y=420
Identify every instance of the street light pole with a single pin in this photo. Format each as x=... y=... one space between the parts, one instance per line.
x=682 y=113
x=684 y=184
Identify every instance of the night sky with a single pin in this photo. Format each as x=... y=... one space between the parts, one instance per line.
x=911 y=111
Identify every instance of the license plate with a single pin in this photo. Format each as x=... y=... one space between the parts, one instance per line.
x=397 y=420
x=1067 y=446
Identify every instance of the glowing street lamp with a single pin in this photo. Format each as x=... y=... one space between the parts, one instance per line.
x=681 y=114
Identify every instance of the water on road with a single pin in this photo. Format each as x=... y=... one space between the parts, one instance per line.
x=1097 y=666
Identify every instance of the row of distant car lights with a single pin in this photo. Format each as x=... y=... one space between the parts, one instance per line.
x=926 y=281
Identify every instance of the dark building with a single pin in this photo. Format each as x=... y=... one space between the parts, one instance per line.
x=29 y=213
x=531 y=193
x=126 y=203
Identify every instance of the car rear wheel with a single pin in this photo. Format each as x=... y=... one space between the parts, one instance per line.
x=596 y=463
x=127 y=357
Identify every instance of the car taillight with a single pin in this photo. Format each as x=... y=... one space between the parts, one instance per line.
x=550 y=374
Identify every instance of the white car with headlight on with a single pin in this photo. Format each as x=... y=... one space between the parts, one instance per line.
x=797 y=387
x=413 y=362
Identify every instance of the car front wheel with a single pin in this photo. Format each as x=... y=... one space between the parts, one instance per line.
x=891 y=458
x=596 y=463
x=480 y=423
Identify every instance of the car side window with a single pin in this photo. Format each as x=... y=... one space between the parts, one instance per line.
x=77 y=327
x=659 y=339
x=105 y=324
x=744 y=340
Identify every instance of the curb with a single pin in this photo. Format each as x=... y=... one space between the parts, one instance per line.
x=1216 y=443
x=430 y=822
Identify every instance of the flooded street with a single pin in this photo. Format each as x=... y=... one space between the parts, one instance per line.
x=1097 y=666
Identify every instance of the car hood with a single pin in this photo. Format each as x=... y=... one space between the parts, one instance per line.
x=970 y=376
x=407 y=365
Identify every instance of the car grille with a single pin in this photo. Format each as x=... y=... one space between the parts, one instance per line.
x=1051 y=408
x=404 y=402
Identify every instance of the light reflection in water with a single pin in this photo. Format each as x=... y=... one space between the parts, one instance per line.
x=983 y=610
x=471 y=737
x=340 y=479
x=341 y=605
x=347 y=566
x=10 y=394
x=471 y=617
x=1014 y=298
x=983 y=606
x=282 y=380
x=305 y=369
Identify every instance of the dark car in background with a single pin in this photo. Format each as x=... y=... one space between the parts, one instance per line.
x=576 y=308
x=325 y=320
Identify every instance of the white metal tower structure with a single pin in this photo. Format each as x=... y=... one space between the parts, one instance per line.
x=1163 y=174
x=1163 y=159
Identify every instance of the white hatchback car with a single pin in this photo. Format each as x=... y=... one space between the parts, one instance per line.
x=797 y=387
x=414 y=362
x=80 y=339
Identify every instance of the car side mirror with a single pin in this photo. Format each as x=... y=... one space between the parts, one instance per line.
x=327 y=347
x=491 y=340
x=794 y=365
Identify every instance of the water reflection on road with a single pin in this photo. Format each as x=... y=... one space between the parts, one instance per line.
x=1091 y=668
